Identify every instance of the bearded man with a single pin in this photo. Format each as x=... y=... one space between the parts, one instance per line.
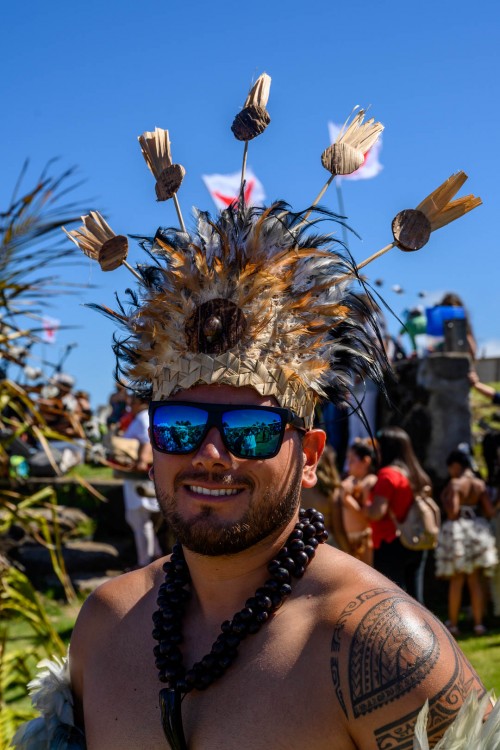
x=252 y=633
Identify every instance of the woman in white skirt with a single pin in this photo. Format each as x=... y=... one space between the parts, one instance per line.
x=466 y=546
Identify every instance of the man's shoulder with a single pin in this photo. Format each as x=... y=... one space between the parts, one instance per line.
x=388 y=655
x=114 y=598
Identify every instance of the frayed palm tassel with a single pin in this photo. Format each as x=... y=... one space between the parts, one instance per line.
x=97 y=240
x=253 y=118
x=348 y=152
x=155 y=148
x=468 y=731
x=440 y=209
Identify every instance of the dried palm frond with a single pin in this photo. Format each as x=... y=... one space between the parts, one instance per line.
x=155 y=147
x=29 y=228
x=352 y=144
x=440 y=209
x=253 y=118
x=96 y=239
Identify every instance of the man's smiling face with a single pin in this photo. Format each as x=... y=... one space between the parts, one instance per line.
x=218 y=504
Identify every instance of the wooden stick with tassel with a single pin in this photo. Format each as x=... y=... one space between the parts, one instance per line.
x=253 y=118
x=155 y=147
x=412 y=227
x=97 y=240
x=348 y=152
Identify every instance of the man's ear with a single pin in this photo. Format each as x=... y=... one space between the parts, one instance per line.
x=313 y=445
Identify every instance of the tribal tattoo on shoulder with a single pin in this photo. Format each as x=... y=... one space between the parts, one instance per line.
x=387 y=659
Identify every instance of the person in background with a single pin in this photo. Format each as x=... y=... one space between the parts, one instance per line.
x=485 y=390
x=361 y=479
x=451 y=299
x=399 y=479
x=118 y=404
x=415 y=323
x=491 y=454
x=326 y=497
x=138 y=505
x=466 y=544
x=364 y=392
x=61 y=407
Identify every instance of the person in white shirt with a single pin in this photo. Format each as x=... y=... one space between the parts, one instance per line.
x=140 y=506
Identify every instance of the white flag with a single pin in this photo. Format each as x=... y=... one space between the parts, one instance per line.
x=225 y=188
x=50 y=327
x=371 y=165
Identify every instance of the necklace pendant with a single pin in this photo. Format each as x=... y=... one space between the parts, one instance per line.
x=171 y=718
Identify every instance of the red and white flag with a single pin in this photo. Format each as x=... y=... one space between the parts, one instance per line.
x=225 y=188
x=371 y=165
x=50 y=328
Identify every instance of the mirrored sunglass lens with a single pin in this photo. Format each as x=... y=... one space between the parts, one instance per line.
x=178 y=428
x=252 y=432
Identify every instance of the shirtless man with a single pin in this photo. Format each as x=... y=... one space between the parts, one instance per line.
x=347 y=662
x=248 y=320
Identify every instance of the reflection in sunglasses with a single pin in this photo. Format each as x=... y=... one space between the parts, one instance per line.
x=246 y=431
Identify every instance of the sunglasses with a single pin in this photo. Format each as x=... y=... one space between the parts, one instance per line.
x=247 y=431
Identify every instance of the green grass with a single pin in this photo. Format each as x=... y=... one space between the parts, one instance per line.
x=482 y=409
x=484 y=655
x=90 y=472
x=22 y=637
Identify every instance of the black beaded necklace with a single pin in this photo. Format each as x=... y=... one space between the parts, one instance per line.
x=290 y=562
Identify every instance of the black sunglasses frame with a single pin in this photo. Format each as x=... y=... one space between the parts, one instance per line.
x=214 y=419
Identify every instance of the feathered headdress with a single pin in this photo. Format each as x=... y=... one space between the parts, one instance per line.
x=255 y=297
x=247 y=300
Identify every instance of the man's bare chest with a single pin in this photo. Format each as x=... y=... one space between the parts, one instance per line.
x=264 y=699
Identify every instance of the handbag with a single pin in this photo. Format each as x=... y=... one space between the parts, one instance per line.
x=420 y=528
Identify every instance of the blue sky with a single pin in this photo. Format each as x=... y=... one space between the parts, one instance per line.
x=81 y=81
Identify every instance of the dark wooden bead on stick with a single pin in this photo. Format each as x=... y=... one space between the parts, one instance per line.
x=250 y=122
x=340 y=158
x=411 y=229
x=113 y=253
x=169 y=181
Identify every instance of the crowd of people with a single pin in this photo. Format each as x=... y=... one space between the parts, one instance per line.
x=362 y=510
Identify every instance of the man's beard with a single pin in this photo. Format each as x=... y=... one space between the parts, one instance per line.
x=206 y=534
